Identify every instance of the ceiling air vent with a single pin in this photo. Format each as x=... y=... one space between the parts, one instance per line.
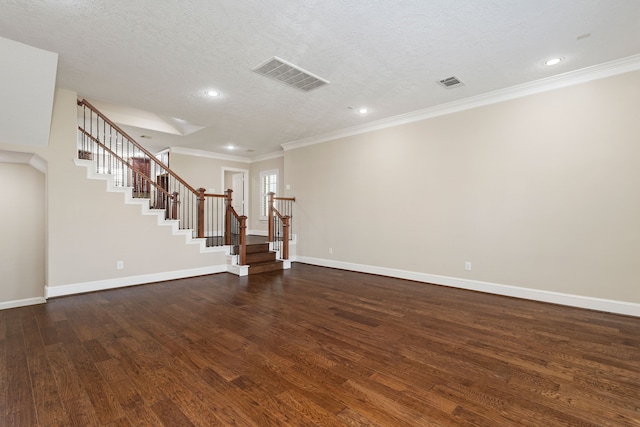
x=450 y=82
x=290 y=74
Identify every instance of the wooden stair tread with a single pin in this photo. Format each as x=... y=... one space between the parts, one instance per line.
x=262 y=267
x=260 y=259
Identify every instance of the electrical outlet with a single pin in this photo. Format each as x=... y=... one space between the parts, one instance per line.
x=120 y=265
x=467 y=265
x=330 y=250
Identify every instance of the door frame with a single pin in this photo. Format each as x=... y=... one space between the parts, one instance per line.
x=245 y=173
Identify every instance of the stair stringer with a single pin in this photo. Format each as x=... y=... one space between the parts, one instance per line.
x=145 y=209
x=234 y=268
x=286 y=263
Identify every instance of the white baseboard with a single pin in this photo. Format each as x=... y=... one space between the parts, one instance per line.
x=258 y=232
x=600 y=304
x=5 y=305
x=100 y=285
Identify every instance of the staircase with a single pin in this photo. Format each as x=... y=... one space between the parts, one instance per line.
x=260 y=258
x=206 y=219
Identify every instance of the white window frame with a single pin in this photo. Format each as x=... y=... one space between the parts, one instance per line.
x=266 y=188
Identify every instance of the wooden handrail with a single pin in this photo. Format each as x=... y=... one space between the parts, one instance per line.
x=292 y=199
x=179 y=199
x=134 y=142
x=124 y=162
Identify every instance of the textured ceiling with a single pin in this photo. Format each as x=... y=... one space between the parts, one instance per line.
x=160 y=57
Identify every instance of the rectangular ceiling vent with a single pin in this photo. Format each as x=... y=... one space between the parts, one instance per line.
x=450 y=82
x=289 y=74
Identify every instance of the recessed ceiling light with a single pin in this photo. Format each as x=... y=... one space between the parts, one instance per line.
x=363 y=110
x=212 y=93
x=230 y=147
x=552 y=61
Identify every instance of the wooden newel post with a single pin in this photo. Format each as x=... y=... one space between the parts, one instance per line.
x=174 y=205
x=227 y=219
x=243 y=240
x=270 y=216
x=285 y=237
x=201 y=192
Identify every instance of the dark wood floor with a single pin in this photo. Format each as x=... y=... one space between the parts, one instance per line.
x=314 y=346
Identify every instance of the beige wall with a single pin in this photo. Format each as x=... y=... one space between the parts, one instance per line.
x=89 y=230
x=539 y=192
x=202 y=172
x=85 y=242
x=256 y=225
x=22 y=233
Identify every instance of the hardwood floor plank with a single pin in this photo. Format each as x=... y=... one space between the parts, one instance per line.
x=170 y=414
x=308 y=408
x=141 y=415
x=19 y=398
x=119 y=380
x=122 y=422
x=315 y=346
x=48 y=406
x=351 y=417
x=77 y=404
x=4 y=375
x=91 y=381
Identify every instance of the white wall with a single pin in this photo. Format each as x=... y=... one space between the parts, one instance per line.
x=22 y=235
x=538 y=193
x=27 y=84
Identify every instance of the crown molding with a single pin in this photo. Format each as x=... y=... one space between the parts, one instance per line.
x=607 y=69
x=268 y=156
x=208 y=154
x=219 y=156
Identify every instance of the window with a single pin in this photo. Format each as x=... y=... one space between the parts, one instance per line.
x=268 y=184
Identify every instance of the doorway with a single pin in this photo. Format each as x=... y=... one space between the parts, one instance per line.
x=238 y=181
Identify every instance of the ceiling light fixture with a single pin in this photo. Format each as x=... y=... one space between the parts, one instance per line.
x=552 y=61
x=212 y=93
x=363 y=110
